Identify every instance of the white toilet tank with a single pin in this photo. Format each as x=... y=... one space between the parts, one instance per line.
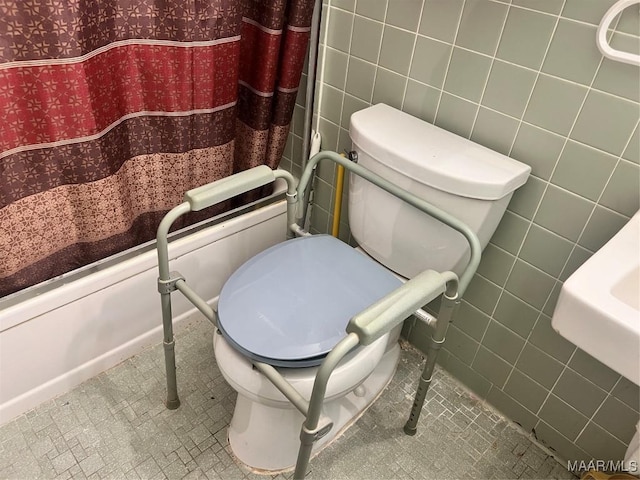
x=467 y=180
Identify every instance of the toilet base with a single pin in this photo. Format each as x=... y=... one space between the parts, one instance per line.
x=266 y=438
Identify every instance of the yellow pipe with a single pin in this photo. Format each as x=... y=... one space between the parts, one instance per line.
x=337 y=204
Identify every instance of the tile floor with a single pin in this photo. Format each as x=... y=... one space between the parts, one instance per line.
x=115 y=426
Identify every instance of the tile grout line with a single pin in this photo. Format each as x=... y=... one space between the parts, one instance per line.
x=486 y=82
x=446 y=72
x=413 y=52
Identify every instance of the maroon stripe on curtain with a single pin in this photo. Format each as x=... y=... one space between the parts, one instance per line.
x=34 y=171
x=45 y=104
x=260 y=52
x=71 y=29
x=294 y=50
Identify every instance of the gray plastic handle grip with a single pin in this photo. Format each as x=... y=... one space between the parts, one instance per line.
x=386 y=313
x=228 y=187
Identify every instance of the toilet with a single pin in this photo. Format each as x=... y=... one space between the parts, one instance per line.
x=289 y=305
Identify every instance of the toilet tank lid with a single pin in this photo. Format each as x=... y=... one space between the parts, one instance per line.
x=434 y=156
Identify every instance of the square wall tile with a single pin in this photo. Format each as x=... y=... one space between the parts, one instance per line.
x=463 y=372
x=495 y=264
x=430 y=61
x=335 y=73
x=606 y=122
x=600 y=443
x=512 y=409
x=529 y=393
x=629 y=20
x=396 y=50
x=593 y=370
x=627 y=392
x=404 y=13
x=546 y=250
x=537 y=148
x=503 y=342
x=440 y=19
x=494 y=130
x=389 y=88
x=554 y=104
x=456 y=115
x=323 y=194
x=578 y=256
x=421 y=101
x=529 y=284
x=616 y=77
x=329 y=132
x=589 y=11
x=583 y=170
x=319 y=220
x=367 y=37
x=350 y=106
x=340 y=27
x=563 y=213
x=510 y=232
x=526 y=199
x=623 y=190
x=481 y=25
x=461 y=345
x=515 y=314
x=509 y=88
x=549 y=341
x=374 y=10
x=482 y=294
x=573 y=54
x=470 y=320
x=603 y=225
x=467 y=74
x=491 y=367
x=331 y=105
x=578 y=392
x=539 y=366
x=567 y=420
x=360 y=78
x=526 y=36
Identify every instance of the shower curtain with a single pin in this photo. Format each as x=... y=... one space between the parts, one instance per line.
x=111 y=109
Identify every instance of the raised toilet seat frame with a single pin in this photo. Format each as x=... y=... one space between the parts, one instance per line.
x=362 y=329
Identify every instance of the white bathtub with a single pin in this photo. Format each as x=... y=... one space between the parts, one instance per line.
x=53 y=341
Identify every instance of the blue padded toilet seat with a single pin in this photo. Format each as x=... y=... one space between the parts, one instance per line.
x=289 y=305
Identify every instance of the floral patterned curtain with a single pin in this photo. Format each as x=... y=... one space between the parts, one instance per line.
x=111 y=109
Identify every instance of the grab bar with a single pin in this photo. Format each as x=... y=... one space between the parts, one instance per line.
x=601 y=35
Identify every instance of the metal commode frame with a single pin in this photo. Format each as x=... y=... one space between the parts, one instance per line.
x=363 y=329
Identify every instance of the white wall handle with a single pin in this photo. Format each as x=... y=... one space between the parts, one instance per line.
x=601 y=35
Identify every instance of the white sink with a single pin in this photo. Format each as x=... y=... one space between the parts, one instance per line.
x=599 y=305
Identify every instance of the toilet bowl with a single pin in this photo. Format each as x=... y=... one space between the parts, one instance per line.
x=265 y=428
x=264 y=432
x=289 y=306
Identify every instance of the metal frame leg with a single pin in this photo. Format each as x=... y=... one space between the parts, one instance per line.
x=447 y=309
x=312 y=429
